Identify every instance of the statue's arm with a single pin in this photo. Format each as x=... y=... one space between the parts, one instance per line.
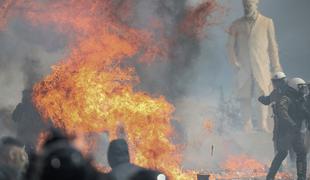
x=231 y=47
x=273 y=49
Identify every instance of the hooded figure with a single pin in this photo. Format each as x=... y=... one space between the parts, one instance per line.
x=253 y=53
x=118 y=157
x=28 y=121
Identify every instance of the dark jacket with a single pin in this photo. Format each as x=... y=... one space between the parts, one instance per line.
x=118 y=157
x=290 y=112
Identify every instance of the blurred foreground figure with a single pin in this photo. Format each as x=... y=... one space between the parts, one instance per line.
x=119 y=161
x=291 y=128
x=59 y=160
x=253 y=53
x=13 y=159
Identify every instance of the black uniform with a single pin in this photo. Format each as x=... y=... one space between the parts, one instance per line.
x=291 y=117
x=267 y=100
x=274 y=96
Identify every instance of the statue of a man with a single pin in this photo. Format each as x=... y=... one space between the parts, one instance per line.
x=253 y=52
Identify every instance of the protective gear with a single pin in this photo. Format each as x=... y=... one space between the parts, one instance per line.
x=279 y=81
x=300 y=86
x=290 y=116
x=265 y=100
x=295 y=83
x=278 y=76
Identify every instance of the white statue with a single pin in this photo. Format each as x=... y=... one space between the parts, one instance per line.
x=253 y=52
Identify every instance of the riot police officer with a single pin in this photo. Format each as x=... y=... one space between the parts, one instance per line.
x=291 y=118
x=279 y=82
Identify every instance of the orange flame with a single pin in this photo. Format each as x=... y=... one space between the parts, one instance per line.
x=243 y=163
x=92 y=89
x=246 y=167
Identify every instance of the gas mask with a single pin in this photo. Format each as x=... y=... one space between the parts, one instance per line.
x=303 y=90
x=279 y=84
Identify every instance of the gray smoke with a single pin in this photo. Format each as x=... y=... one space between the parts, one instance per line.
x=213 y=73
x=172 y=76
x=26 y=55
x=7 y=127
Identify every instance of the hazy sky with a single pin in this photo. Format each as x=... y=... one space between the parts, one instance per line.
x=291 y=19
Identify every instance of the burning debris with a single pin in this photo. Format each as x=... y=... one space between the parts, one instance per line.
x=243 y=167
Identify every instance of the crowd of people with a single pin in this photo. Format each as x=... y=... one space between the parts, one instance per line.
x=58 y=159
x=290 y=101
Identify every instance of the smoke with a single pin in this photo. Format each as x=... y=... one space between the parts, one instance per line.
x=7 y=127
x=180 y=24
x=214 y=74
x=26 y=55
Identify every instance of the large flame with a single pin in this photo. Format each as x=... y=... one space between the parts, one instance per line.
x=92 y=89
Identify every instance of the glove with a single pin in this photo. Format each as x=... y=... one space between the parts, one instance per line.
x=263 y=100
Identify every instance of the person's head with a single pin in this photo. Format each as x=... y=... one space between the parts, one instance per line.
x=61 y=161
x=279 y=80
x=299 y=86
x=13 y=154
x=118 y=153
x=27 y=96
x=250 y=7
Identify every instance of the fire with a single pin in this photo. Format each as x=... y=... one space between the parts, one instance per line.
x=245 y=167
x=92 y=90
x=243 y=163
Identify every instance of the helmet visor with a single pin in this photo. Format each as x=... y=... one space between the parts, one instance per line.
x=303 y=88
